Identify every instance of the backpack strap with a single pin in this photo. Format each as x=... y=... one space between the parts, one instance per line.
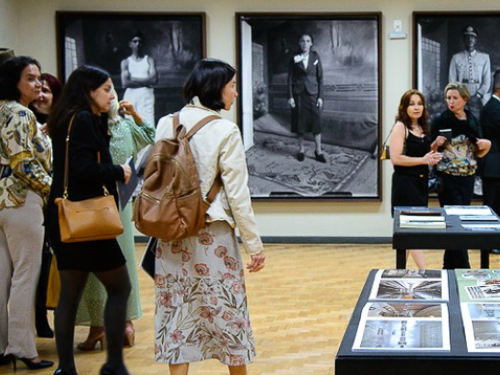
x=218 y=180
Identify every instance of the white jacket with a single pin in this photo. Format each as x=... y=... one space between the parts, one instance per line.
x=218 y=148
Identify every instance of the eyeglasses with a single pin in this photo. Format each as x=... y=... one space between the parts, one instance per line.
x=137 y=41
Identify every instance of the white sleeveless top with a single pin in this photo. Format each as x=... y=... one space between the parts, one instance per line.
x=138 y=69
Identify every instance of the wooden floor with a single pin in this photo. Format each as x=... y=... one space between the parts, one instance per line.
x=300 y=305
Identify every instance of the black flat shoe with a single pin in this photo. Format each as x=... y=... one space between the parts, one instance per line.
x=300 y=156
x=30 y=364
x=62 y=372
x=107 y=371
x=5 y=359
x=320 y=157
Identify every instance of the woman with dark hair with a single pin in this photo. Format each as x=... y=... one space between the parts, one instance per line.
x=129 y=137
x=201 y=305
x=24 y=189
x=411 y=155
x=51 y=91
x=305 y=91
x=86 y=96
x=460 y=152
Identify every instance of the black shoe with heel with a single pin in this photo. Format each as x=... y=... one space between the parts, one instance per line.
x=30 y=364
x=320 y=157
x=300 y=156
x=5 y=359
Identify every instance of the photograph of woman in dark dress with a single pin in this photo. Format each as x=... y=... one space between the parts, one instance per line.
x=305 y=84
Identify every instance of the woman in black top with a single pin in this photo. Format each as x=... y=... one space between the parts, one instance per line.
x=411 y=155
x=86 y=97
x=460 y=153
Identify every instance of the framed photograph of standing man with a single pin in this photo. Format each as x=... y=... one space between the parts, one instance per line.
x=310 y=90
x=148 y=55
x=455 y=47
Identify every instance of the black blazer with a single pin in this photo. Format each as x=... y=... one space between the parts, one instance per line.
x=490 y=123
x=309 y=79
x=89 y=136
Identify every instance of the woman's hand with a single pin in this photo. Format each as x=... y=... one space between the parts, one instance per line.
x=483 y=144
x=438 y=142
x=483 y=147
x=291 y=102
x=319 y=103
x=127 y=108
x=257 y=263
x=432 y=157
x=127 y=173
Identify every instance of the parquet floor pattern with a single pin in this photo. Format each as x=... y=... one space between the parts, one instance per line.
x=300 y=305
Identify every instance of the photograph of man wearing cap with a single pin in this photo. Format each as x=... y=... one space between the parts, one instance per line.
x=472 y=68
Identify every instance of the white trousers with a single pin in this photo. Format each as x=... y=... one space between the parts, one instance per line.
x=21 y=240
x=143 y=99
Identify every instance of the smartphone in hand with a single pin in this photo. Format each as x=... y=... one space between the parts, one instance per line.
x=446 y=133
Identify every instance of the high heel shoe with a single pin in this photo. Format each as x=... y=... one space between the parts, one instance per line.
x=96 y=334
x=129 y=338
x=320 y=157
x=5 y=359
x=30 y=364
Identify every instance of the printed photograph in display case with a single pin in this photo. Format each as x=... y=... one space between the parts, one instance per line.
x=310 y=100
x=148 y=55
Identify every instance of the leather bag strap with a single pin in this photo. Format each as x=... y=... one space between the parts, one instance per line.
x=66 y=159
x=218 y=180
x=66 y=162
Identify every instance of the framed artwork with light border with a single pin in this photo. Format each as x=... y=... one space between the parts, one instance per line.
x=343 y=69
x=175 y=42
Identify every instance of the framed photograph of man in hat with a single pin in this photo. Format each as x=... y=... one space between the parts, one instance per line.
x=455 y=47
x=310 y=103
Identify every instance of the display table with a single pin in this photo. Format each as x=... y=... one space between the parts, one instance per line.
x=456 y=361
x=453 y=237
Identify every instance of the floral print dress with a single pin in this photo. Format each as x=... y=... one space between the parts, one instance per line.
x=201 y=301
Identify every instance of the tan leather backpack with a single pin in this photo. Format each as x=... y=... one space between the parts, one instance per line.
x=170 y=205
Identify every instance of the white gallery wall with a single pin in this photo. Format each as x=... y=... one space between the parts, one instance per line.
x=28 y=26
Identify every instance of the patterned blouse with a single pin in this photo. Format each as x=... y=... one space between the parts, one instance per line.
x=459 y=154
x=24 y=155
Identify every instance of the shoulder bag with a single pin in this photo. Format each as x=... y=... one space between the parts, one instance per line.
x=386 y=155
x=91 y=219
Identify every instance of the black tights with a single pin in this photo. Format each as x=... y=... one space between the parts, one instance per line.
x=117 y=285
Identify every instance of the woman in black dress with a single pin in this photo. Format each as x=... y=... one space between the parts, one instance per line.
x=411 y=155
x=86 y=97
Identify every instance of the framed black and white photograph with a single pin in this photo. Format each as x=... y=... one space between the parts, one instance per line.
x=455 y=47
x=148 y=55
x=310 y=104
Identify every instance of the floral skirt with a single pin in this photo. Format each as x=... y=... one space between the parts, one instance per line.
x=201 y=301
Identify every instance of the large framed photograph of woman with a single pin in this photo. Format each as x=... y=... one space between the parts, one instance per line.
x=455 y=47
x=148 y=55
x=310 y=108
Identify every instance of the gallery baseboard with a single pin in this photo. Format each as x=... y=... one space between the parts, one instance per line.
x=309 y=240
